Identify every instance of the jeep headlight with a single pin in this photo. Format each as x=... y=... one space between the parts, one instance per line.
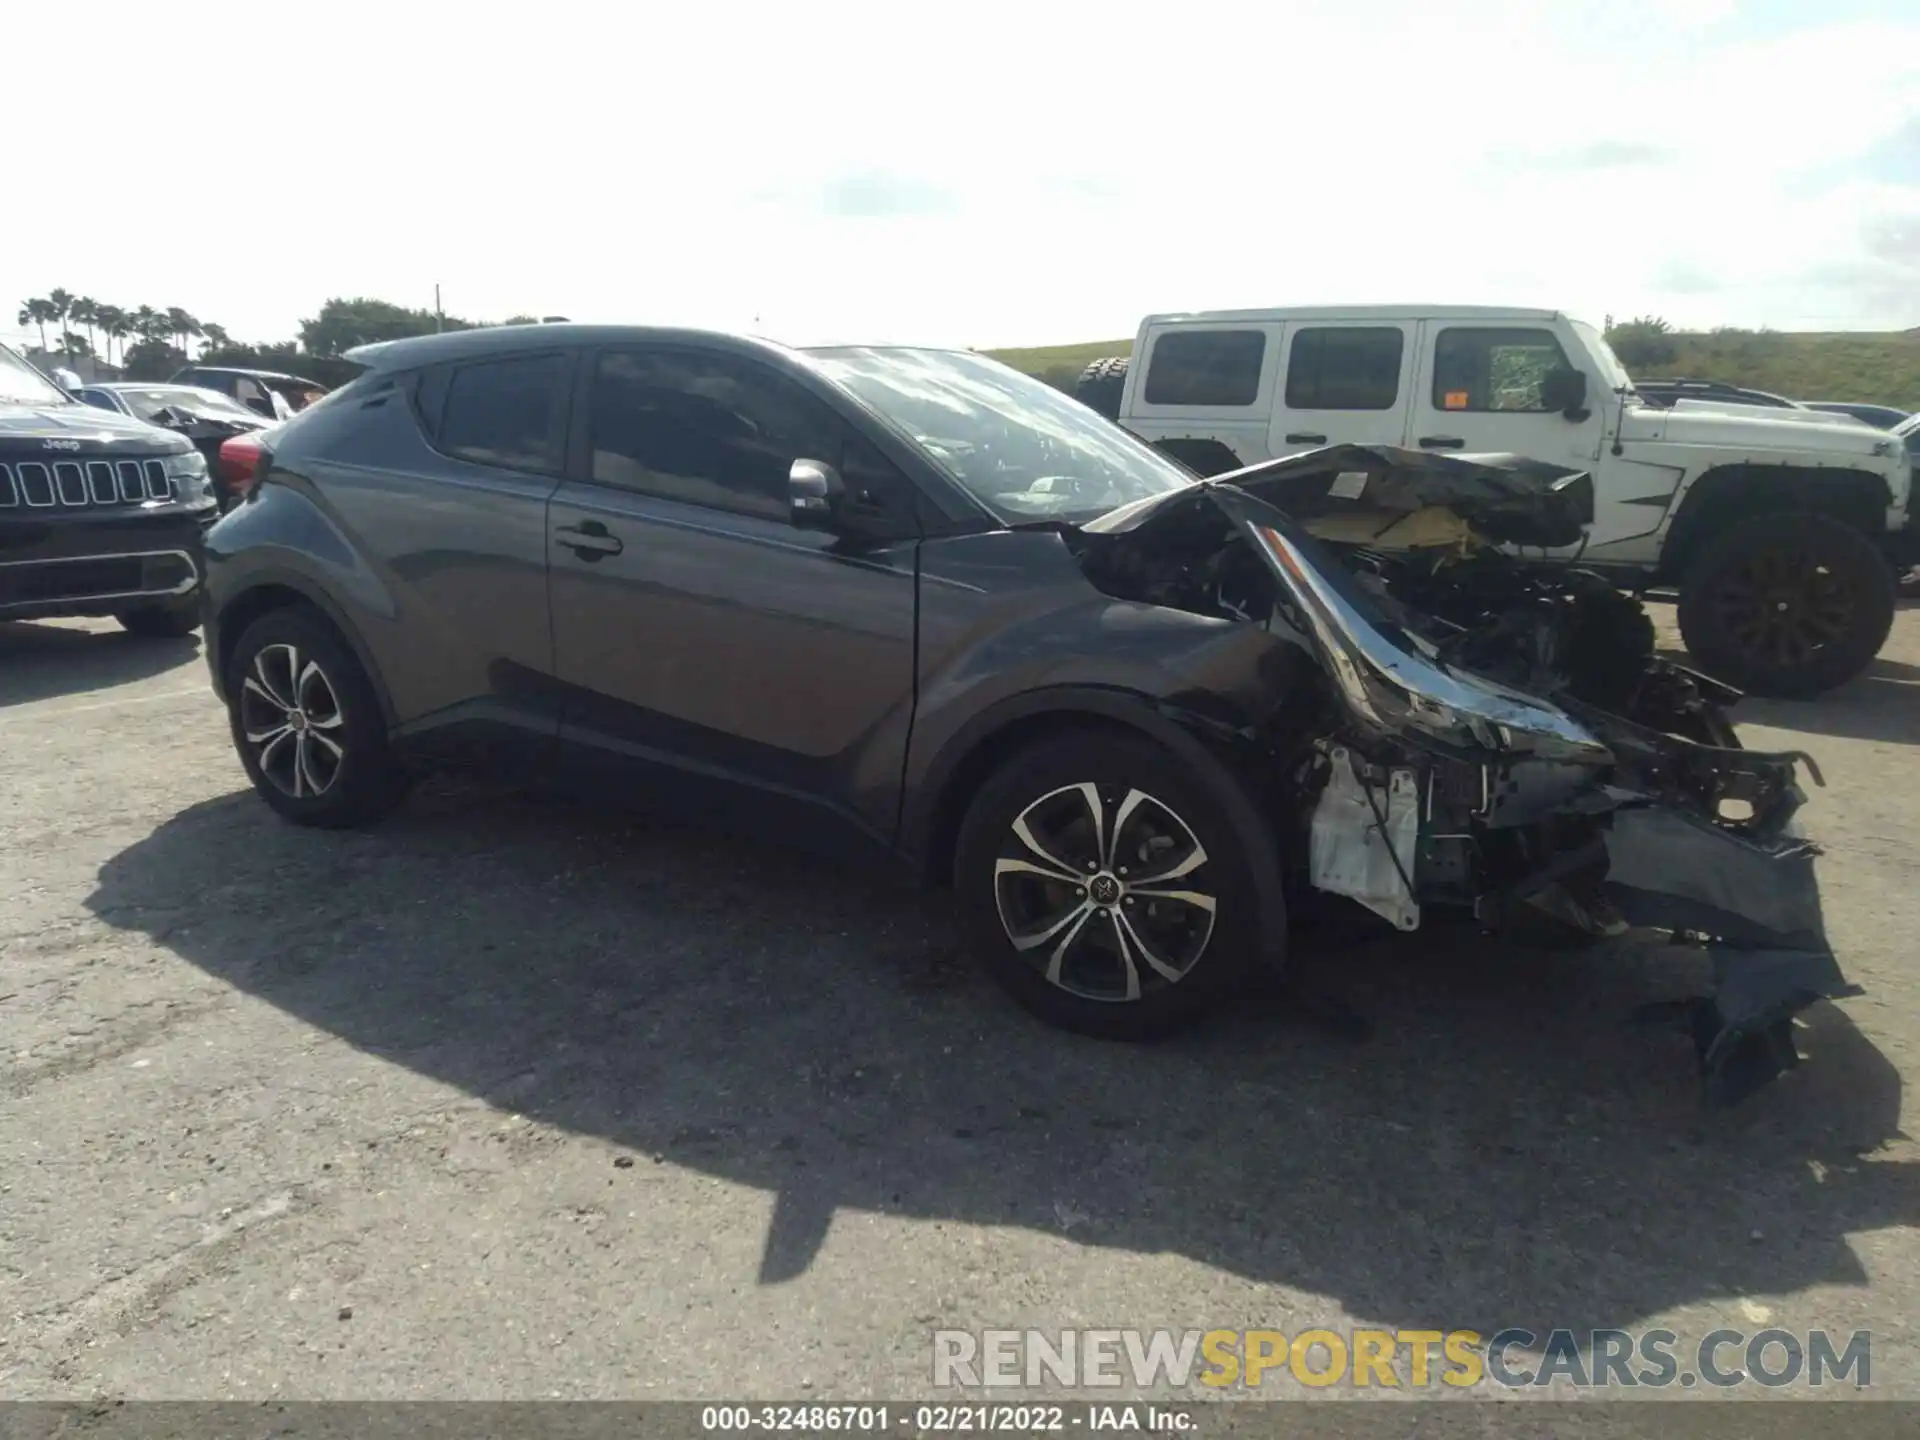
x=191 y=482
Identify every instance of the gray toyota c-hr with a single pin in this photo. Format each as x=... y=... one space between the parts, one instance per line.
x=913 y=602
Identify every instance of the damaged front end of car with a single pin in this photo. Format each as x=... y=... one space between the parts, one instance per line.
x=1496 y=731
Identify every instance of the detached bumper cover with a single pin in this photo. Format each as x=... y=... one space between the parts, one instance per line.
x=1761 y=903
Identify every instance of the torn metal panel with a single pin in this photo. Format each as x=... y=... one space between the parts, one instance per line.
x=1503 y=499
x=1363 y=841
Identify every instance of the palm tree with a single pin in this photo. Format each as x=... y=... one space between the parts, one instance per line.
x=216 y=337
x=86 y=313
x=148 y=323
x=62 y=303
x=37 y=312
x=181 y=326
x=113 y=324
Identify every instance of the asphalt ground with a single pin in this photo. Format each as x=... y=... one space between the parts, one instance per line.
x=509 y=1099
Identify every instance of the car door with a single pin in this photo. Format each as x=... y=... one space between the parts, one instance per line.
x=1344 y=383
x=714 y=656
x=1202 y=392
x=441 y=483
x=1481 y=392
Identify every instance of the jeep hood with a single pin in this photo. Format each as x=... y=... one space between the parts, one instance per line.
x=1757 y=431
x=82 y=423
x=1695 y=838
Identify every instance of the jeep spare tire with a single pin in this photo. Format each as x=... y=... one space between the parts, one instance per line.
x=1789 y=605
x=1100 y=385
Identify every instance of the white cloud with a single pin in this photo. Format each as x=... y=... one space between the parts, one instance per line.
x=992 y=173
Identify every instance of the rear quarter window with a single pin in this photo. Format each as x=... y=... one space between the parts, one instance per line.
x=506 y=412
x=1205 y=367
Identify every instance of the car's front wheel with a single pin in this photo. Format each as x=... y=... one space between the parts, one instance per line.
x=308 y=725
x=1105 y=887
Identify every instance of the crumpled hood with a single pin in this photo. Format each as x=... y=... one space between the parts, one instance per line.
x=83 y=423
x=1757 y=430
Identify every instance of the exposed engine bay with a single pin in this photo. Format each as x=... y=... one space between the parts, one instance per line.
x=1495 y=729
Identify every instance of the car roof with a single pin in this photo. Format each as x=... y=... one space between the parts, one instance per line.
x=418 y=350
x=150 y=385
x=1357 y=312
x=237 y=370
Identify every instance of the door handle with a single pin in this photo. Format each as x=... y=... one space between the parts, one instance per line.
x=1441 y=442
x=589 y=540
x=1306 y=439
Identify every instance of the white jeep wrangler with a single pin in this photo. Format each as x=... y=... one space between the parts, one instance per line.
x=1778 y=530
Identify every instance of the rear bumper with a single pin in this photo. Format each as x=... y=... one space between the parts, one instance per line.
x=100 y=565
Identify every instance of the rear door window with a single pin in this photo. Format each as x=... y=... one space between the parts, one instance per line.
x=506 y=412
x=1205 y=367
x=1348 y=367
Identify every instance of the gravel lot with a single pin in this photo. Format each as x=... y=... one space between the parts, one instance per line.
x=509 y=1099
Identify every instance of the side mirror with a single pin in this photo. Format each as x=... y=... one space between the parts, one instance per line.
x=1565 y=389
x=69 y=381
x=814 y=492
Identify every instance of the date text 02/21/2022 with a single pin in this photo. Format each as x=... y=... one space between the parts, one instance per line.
x=945 y=1419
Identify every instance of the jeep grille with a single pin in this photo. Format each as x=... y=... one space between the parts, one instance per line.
x=79 y=484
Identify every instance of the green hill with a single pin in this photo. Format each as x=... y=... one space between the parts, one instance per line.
x=1881 y=367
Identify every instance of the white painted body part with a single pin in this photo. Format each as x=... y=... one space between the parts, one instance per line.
x=1351 y=854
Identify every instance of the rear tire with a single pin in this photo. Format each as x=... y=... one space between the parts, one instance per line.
x=1109 y=950
x=167 y=621
x=1788 y=605
x=308 y=725
x=1101 y=384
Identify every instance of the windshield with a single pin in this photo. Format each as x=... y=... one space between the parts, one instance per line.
x=21 y=384
x=149 y=403
x=1612 y=372
x=1017 y=445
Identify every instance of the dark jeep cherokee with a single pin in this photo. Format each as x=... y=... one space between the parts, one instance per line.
x=100 y=514
x=913 y=602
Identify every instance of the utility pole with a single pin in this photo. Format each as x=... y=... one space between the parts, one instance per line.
x=439 y=316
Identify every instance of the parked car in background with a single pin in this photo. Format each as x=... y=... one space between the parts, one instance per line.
x=206 y=417
x=1777 y=526
x=265 y=392
x=1881 y=417
x=1667 y=391
x=100 y=513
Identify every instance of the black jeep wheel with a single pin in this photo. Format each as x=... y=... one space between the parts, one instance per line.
x=168 y=620
x=308 y=725
x=1787 y=605
x=1106 y=888
x=1100 y=385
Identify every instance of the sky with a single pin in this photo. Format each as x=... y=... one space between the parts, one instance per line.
x=969 y=174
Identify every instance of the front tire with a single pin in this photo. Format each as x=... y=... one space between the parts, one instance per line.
x=169 y=620
x=1105 y=888
x=1787 y=605
x=307 y=724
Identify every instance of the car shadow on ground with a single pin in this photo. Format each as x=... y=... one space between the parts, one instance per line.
x=1503 y=1147
x=40 y=661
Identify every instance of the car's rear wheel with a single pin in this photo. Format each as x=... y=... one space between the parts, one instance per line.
x=308 y=725
x=1787 y=604
x=168 y=620
x=1105 y=887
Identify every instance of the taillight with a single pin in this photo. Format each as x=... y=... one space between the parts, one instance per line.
x=243 y=462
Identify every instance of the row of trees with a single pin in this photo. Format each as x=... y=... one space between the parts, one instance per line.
x=151 y=330
x=161 y=338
